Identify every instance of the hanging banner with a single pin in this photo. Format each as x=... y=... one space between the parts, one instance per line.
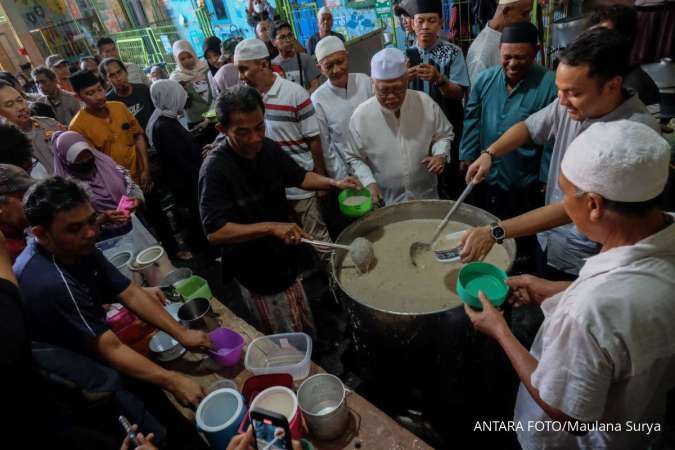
x=383 y=9
x=42 y=13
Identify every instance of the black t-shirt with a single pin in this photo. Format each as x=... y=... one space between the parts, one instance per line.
x=64 y=302
x=139 y=102
x=239 y=190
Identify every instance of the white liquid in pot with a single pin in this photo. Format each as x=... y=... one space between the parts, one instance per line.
x=394 y=284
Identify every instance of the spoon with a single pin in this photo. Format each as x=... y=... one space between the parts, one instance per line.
x=418 y=248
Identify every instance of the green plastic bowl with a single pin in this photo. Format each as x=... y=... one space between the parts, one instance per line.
x=355 y=210
x=480 y=276
x=193 y=287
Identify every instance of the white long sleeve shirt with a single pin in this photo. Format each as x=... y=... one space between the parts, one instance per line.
x=387 y=150
x=334 y=107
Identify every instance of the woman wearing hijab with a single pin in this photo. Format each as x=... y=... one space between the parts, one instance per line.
x=106 y=182
x=179 y=153
x=212 y=55
x=192 y=73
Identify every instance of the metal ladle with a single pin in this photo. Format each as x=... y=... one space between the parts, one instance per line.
x=361 y=250
x=418 y=248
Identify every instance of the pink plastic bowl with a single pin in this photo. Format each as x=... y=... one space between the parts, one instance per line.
x=227 y=345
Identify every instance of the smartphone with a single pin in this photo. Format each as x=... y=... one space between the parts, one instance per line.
x=271 y=430
x=414 y=57
x=127 y=429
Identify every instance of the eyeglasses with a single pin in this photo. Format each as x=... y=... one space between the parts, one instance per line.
x=395 y=91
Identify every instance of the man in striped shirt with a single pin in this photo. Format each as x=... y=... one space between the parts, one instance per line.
x=290 y=120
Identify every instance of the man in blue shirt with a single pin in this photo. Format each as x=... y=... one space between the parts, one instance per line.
x=65 y=281
x=437 y=68
x=501 y=97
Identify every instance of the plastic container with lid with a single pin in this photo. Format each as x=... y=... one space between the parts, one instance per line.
x=280 y=353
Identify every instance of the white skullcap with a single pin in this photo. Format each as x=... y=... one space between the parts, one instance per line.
x=323 y=10
x=250 y=49
x=507 y=2
x=388 y=64
x=623 y=161
x=328 y=46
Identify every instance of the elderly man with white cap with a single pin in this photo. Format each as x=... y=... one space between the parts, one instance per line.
x=290 y=120
x=484 y=50
x=399 y=140
x=604 y=357
x=336 y=99
x=325 y=18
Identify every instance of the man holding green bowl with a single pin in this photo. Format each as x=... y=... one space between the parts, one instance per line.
x=603 y=360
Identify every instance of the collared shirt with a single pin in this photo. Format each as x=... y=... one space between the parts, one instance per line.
x=244 y=191
x=64 y=302
x=290 y=119
x=606 y=348
x=492 y=109
x=115 y=135
x=65 y=106
x=565 y=246
x=334 y=107
x=449 y=61
x=483 y=52
x=387 y=150
x=40 y=135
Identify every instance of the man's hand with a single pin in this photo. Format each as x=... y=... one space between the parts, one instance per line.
x=434 y=164
x=195 y=340
x=476 y=243
x=186 y=391
x=157 y=295
x=412 y=72
x=245 y=441
x=375 y=193
x=490 y=321
x=145 y=441
x=146 y=180
x=528 y=289
x=348 y=183
x=479 y=169
x=290 y=233
x=428 y=72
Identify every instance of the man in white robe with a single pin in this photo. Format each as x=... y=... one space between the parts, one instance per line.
x=399 y=140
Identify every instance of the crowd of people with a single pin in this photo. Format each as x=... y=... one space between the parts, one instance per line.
x=571 y=162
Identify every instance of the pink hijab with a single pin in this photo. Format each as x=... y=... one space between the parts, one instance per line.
x=106 y=186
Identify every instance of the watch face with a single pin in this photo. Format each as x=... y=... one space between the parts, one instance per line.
x=498 y=232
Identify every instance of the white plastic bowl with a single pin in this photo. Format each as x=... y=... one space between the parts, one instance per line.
x=289 y=353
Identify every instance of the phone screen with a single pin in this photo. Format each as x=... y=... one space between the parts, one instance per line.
x=271 y=433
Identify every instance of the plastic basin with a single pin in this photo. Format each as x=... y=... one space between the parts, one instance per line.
x=193 y=287
x=280 y=353
x=357 y=209
x=481 y=276
x=227 y=346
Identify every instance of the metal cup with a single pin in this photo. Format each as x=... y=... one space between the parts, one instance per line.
x=322 y=399
x=195 y=315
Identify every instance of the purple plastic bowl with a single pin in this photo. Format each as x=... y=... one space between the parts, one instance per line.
x=227 y=346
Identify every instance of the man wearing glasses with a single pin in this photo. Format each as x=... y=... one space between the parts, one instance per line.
x=299 y=68
x=399 y=140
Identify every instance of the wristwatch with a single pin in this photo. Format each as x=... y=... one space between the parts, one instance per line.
x=497 y=232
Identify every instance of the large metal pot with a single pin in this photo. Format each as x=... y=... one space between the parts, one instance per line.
x=403 y=345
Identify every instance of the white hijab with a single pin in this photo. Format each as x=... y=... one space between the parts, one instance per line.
x=169 y=99
x=181 y=74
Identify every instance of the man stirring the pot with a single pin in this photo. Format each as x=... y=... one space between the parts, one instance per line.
x=65 y=280
x=604 y=357
x=243 y=206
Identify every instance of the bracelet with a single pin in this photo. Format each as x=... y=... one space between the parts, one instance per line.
x=489 y=153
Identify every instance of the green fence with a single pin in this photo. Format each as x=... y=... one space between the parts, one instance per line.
x=148 y=46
